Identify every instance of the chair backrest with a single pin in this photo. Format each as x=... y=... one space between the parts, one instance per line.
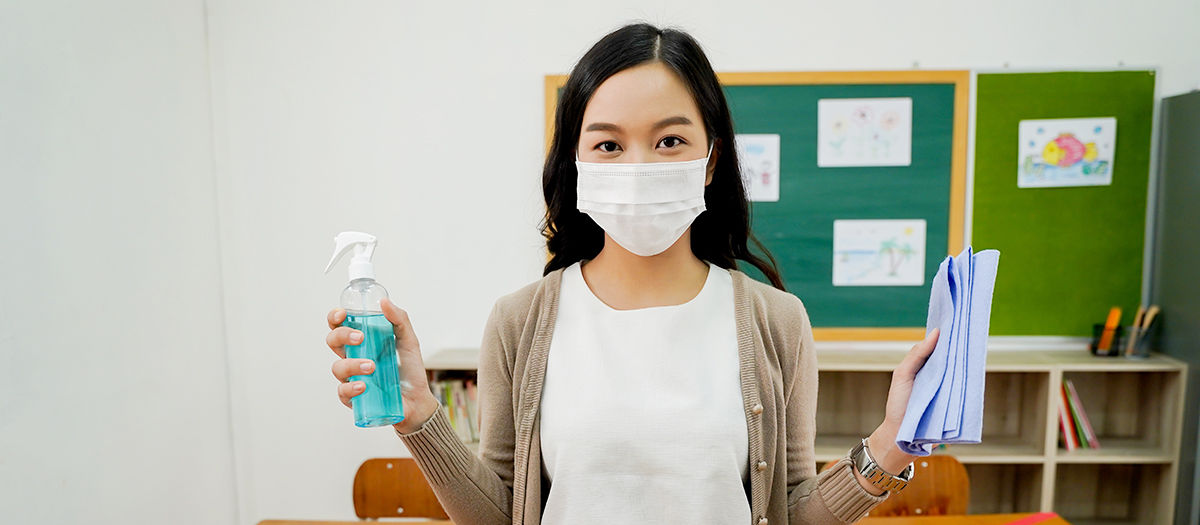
x=394 y=487
x=939 y=487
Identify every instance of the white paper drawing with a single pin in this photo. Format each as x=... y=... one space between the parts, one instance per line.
x=864 y=132
x=1066 y=152
x=758 y=155
x=879 y=252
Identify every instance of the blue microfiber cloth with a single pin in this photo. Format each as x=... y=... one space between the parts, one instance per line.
x=946 y=404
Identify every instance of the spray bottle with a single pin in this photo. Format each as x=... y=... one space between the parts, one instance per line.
x=379 y=403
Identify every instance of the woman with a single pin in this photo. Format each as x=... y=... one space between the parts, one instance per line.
x=643 y=379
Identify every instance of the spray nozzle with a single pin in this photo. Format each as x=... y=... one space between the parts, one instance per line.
x=364 y=248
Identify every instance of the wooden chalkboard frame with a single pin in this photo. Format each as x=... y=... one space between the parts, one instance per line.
x=960 y=79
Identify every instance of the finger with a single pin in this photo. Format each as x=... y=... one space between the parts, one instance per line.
x=335 y=318
x=405 y=337
x=344 y=369
x=340 y=337
x=928 y=344
x=348 y=390
x=919 y=353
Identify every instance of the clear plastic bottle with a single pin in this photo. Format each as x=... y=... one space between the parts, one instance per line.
x=380 y=403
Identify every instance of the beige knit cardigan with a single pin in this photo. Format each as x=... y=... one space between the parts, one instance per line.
x=505 y=483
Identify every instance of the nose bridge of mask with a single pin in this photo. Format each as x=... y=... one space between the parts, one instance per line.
x=641 y=183
x=641 y=188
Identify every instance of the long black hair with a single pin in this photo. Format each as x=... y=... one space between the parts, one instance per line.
x=720 y=233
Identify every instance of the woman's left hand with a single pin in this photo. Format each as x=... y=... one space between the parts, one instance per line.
x=883 y=441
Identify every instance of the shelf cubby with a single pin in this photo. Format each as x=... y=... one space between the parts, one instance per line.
x=1114 y=493
x=1129 y=412
x=1005 y=488
x=1013 y=426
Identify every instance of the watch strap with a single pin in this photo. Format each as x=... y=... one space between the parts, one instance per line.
x=864 y=463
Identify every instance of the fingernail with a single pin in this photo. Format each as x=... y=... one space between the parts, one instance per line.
x=358 y=386
x=356 y=337
x=366 y=367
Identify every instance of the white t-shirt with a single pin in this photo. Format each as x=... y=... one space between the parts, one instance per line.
x=642 y=418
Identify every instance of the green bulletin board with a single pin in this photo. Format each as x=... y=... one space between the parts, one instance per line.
x=798 y=229
x=1072 y=252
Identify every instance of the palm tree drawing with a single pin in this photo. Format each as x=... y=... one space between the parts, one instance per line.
x=896 y=254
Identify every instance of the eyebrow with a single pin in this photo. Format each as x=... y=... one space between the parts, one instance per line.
x=669 y=121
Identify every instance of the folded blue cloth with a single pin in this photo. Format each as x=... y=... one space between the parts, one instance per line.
x=946 y=404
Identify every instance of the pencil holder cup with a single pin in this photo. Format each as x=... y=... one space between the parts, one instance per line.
x=1144 y=341
x=1114 y=348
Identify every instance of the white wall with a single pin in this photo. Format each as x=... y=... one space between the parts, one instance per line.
x=416 y=121
x=114 y=399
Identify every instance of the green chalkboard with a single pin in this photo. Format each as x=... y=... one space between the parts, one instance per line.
x=1070 y=253
x=798 y=228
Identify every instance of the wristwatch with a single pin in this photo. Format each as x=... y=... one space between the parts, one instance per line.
x=860 y=457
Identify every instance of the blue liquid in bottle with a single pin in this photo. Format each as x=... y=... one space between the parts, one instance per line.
x=380 y=403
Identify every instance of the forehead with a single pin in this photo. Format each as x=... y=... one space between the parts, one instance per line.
x=641 y=95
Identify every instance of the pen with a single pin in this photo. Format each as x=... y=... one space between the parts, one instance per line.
x=1110 y=326
x=1133 y=333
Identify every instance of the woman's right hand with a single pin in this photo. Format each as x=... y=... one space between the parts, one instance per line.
x=418 y=400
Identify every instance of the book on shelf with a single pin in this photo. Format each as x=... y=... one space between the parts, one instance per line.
x=472 y=404
x=1085 y=426
x=1064 y=422
x=1076 y=428
x=459 y=401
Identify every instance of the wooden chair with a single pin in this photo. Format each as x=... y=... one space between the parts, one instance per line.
x=394 y=487
x=939 y=487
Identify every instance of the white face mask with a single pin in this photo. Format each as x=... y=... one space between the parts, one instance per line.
x=644 y=207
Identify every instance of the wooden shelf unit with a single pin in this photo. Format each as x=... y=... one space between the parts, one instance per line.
x=1135 y=406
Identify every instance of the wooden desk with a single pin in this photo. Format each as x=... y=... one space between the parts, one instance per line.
x=970 y=519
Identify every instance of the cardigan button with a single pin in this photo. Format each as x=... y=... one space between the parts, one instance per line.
x=762 y=520
x=757 y=408
x=762 y=465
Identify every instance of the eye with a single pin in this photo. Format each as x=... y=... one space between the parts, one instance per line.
x=608 y=146
x=671 y=141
